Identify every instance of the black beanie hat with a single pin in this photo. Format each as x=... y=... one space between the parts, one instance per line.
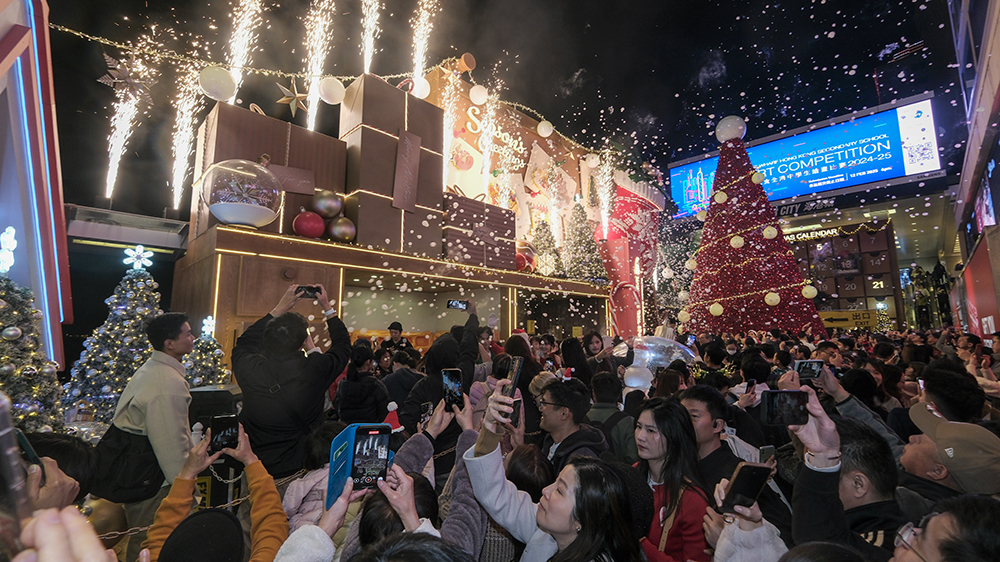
x=396 y=326
x=209 y=535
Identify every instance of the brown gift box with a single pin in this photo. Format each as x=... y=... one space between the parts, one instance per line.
x=380 y=225
x=230 y=132
x=477 y=233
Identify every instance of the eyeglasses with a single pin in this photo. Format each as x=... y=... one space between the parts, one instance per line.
x=907 y=534
x=542 y=403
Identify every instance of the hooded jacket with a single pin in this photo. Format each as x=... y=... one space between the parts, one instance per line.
x=362 y=400
x=400 y=382
x=588 y=441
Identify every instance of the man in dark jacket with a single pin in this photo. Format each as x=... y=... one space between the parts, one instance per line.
x=563 y=406
x=396 y=342
x=446 y=352
x=361 y=398
x=283 y=388
x=402 y=379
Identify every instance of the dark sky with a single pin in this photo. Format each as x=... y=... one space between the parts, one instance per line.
x=653 y=74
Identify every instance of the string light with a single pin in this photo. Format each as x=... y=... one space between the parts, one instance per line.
x=741 y=264
x=750 y=294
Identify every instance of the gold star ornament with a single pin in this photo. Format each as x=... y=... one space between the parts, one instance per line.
x=293 y=98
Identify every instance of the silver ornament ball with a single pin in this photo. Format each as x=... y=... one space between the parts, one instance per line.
x=342 y=230
x=11 y=333
x=106 y=389
x=8 y=369
x=328 y=204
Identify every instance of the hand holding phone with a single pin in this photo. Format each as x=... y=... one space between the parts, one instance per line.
x=458 y=304
x=513 y=374
x=225 y=433
x=452 y=380
x=308 y=291
x=808 y=368
x=784 y=407
x=745 y=485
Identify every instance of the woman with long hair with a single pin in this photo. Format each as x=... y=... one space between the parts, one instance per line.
x=583 y=516
x=599 y=357
x=518 y=346
x=668 y=453
x=575 y=360
x=548 y=353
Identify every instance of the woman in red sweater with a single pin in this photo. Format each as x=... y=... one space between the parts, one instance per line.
x=668 y=454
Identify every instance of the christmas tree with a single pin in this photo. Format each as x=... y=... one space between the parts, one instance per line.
x=117 y=348
x=550 y=262
x=26 y=376
x=204 y=364
x=582 y=257
x=745 y=276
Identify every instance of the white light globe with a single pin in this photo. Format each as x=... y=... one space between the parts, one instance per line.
x=421 y=88
x=331 y=90
x=478 y=94
x=217 y=83
x=544 y=128
x=593 y=160
x=731 y=127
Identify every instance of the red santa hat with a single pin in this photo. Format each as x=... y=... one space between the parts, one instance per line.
x=392 y=419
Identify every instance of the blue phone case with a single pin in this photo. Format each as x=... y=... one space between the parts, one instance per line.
x=341 y=457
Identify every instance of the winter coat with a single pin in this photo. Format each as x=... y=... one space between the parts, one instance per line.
x=400 y=382
x=364 y=400
x=588 y=441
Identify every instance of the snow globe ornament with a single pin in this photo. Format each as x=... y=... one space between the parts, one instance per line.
x=243 y=192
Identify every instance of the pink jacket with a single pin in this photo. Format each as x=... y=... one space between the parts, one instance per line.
x=305 y=498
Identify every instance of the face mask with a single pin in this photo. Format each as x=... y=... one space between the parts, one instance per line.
x=731 y=351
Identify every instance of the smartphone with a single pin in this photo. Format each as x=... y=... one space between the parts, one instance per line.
x=808 y=368
x=608 y=341
x=766 y=452
x=515 y=416
x=745 y=485
x=783 y=407
x=513 y=373
x=750 y=385
x=426 y=412
x=28 y=452
x=920 y=384
x=359 y=452
x=308 y=291
x=225 y=433
x=690 y=340
x=452 y=379
x=14 y=505
x=458 y=305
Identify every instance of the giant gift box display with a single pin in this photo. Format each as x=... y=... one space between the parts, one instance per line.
x=230 y=132
x=373 y=118
x=477 y=233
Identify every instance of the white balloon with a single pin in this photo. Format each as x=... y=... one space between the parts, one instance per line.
x=593 y=160
x=478 y=94
x=331 y=90
x=638 y=377
x=544 y=128
x=421 y=87
x=217 y=83
x=732 y=127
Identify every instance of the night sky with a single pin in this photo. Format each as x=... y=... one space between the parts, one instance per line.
x=652 y=75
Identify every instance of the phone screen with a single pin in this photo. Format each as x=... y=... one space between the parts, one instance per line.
x=459 y=305
x=515 y=416
x=426 y=412
x=784 y=407
x=371 y=456
x=809 y=368
x=746 y=484
x=452 y=379
x=225 y=433
x=513 y=373
x=14 y=504
x=691 y=339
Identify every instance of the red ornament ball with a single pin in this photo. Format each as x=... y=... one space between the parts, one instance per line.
x=308 y=224
x=524 y=262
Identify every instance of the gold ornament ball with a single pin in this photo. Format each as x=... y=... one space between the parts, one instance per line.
x=691 y=264
x=770 y=232
x=772 y=299
x=736 y=241
x=683 y=296
x=757 y=178
x=809 y=292
x=715 y=309
x=721 y=197
x=702 y=215
x=683 y=316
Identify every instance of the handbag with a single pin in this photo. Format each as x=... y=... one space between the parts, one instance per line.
x=127 y=468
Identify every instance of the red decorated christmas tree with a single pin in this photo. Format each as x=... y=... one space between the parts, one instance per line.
x=745 y=276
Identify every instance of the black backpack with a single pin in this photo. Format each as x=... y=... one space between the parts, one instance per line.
x=606 y=427
x=127 y=469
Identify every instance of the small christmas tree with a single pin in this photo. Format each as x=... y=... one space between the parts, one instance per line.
x=583 y=260
x=117 y=348
x=25 y=375
x=883 y=324
x=550 y=262
x=745 y=275
x=204 y=364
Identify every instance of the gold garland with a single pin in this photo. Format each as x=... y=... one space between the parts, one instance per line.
x=750 y=294
x=741 y=264
x=730 y=235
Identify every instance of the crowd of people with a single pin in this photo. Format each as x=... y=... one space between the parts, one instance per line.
x=897 y=458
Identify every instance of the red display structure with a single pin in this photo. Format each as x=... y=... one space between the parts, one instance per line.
x=745 y=274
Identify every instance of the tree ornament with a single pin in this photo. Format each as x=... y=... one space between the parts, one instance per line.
x=715 y=309
x=809 y=292
x=197 y=381
x=217 y=83
x=29 y=371
x=731 y=127
x=328 y=204
x=11 y=333
x=331 y=90
x=770 y=232
x=342 y=230
x=106 y=389
x=592 y=160
x=544 y=128
x=478 y=94
x=736 y=241
x=691 y=264
x=683 y=296
x=8 y=369
x=3 y=304
x=49 y=370
x=721 y=197
x=772 y=299
x=702 y=215
x=683 y=316
x=292 y=97
x=138 y=258
x=308 y=224
x=757 y=178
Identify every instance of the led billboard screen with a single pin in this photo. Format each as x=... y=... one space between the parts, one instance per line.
x=891 y=144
